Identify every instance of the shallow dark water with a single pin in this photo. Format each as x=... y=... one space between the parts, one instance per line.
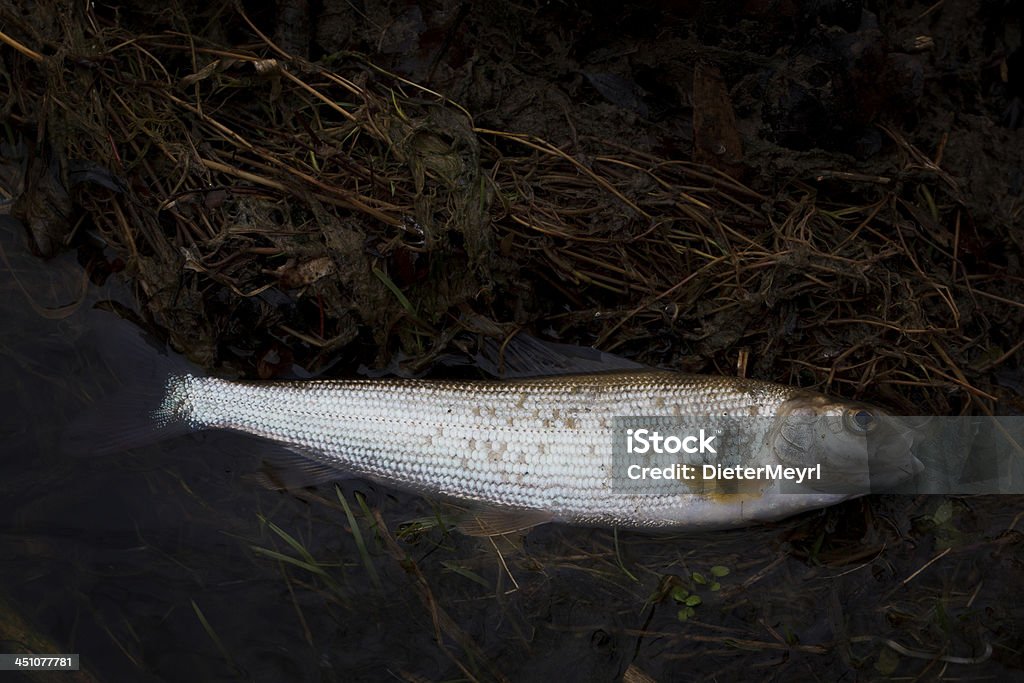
x=122 y=559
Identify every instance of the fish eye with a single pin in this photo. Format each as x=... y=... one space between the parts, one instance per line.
x=859 y=420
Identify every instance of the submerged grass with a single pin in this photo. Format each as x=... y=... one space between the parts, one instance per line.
x=357 y=535
x=305 y=559
x=225 y=653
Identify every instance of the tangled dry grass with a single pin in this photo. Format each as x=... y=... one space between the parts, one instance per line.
x=265 y=202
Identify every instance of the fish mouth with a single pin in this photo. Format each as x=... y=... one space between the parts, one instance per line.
x=886 y=476
x=892 y=460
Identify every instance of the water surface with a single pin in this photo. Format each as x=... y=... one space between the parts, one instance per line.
x=168 y=563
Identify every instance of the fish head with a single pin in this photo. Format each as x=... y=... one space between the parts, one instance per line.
x=861 y=448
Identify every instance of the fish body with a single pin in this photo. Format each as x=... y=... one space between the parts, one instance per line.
x=541 y=447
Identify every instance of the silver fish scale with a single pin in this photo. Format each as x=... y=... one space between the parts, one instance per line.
x=542 y=444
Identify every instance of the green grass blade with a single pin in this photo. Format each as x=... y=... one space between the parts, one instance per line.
x=357 y=534
x=406 y=304
x=311 y=567
x=462 y=571
x=213 y=636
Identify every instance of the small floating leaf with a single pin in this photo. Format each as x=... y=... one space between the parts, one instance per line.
x=887 y=662
x=943 y=514
x=693 y=601
x=718 y=571
x=679 y=593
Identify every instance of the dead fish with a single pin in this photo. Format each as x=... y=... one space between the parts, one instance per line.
x=524 y=452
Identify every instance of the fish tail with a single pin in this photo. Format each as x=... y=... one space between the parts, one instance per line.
x=175 y=409
x=145 y=397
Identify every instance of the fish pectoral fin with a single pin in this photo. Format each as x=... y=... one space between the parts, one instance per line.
x=288 y=468
x=500 y=521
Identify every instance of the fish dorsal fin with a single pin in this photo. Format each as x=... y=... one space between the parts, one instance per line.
x=500 y=521
x=526 y=356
